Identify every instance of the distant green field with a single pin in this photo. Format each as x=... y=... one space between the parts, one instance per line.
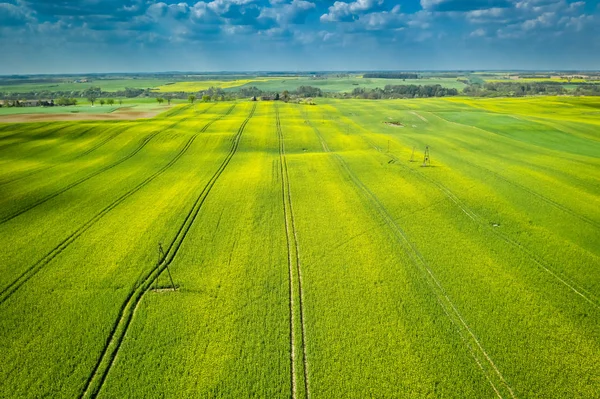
x=85 y=107
x=312 y=253
x=105 y=84
x=272 y=84
x=346 y=84
x=327 y=84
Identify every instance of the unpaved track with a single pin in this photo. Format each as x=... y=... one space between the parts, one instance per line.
x=32 y=270
x=421 y=117
x=293 y=265
x=118 y=333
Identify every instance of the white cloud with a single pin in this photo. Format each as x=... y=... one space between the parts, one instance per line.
x=341 y=11
x=292 y=13
x=478 y=33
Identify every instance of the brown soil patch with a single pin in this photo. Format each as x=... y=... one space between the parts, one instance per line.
x=125 y=113
x=395 y=124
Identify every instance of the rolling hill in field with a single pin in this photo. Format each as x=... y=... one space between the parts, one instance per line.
x=314 y=251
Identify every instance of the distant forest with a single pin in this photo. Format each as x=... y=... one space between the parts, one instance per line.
x=391 y=75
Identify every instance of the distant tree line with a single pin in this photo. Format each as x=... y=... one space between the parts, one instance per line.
x=404 y=91
x=97 y=91
x=391 y=75
x=587 y=90
x=480 y=88
x=514 y=89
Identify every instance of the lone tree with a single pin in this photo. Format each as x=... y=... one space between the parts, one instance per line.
x=102 y=101
x=120 y=101
x=92 y=98
x=191 y=98
x=285 y=96
x=92 y=94
x=110 y=101
x=206 y=98
x=169 y=100
x=160 y=100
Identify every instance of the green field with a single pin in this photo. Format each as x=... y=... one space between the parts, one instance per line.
x=327 y=84
x=149 y=104
x=340 y=85
x=108 y=85
x=311 y=257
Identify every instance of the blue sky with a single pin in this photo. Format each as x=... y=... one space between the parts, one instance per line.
x=66 y=36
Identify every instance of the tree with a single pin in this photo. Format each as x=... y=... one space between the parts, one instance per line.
x=286 y=95
x=92 y=98
x=102 y=101
x=206 y=98
x=110 y=101
x=160 y=100
x=191 y=98
x=277 y=97
x=120 y=101
x=169 y=100
x=92 y=94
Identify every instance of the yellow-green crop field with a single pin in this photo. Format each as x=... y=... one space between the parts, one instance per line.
x=310 y=256
x=192 y=87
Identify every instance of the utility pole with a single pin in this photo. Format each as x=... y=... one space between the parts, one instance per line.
x=162 y=258
x=426 y=158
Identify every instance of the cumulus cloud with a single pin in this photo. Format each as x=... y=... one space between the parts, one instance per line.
x=289 y=23
x=289 y=13
x=12 y=15
x=462 y=5
x=343 y=12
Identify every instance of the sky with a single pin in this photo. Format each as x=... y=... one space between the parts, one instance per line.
x=68 y=36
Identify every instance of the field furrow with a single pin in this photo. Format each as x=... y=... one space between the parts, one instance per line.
x=6 y=292
x=296 y=292
x=303 y=248
x=119 y=331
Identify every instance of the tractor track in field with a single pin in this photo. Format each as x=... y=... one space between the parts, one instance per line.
x=142 y=144
x=44 y=168
x=293 y=263
x=565 y=280
x=118 y=332
x=31 y=271
x=522 y=187
x=538 y=195
x=466 y=334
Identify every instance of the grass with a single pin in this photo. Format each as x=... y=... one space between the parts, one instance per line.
x=310 y=255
